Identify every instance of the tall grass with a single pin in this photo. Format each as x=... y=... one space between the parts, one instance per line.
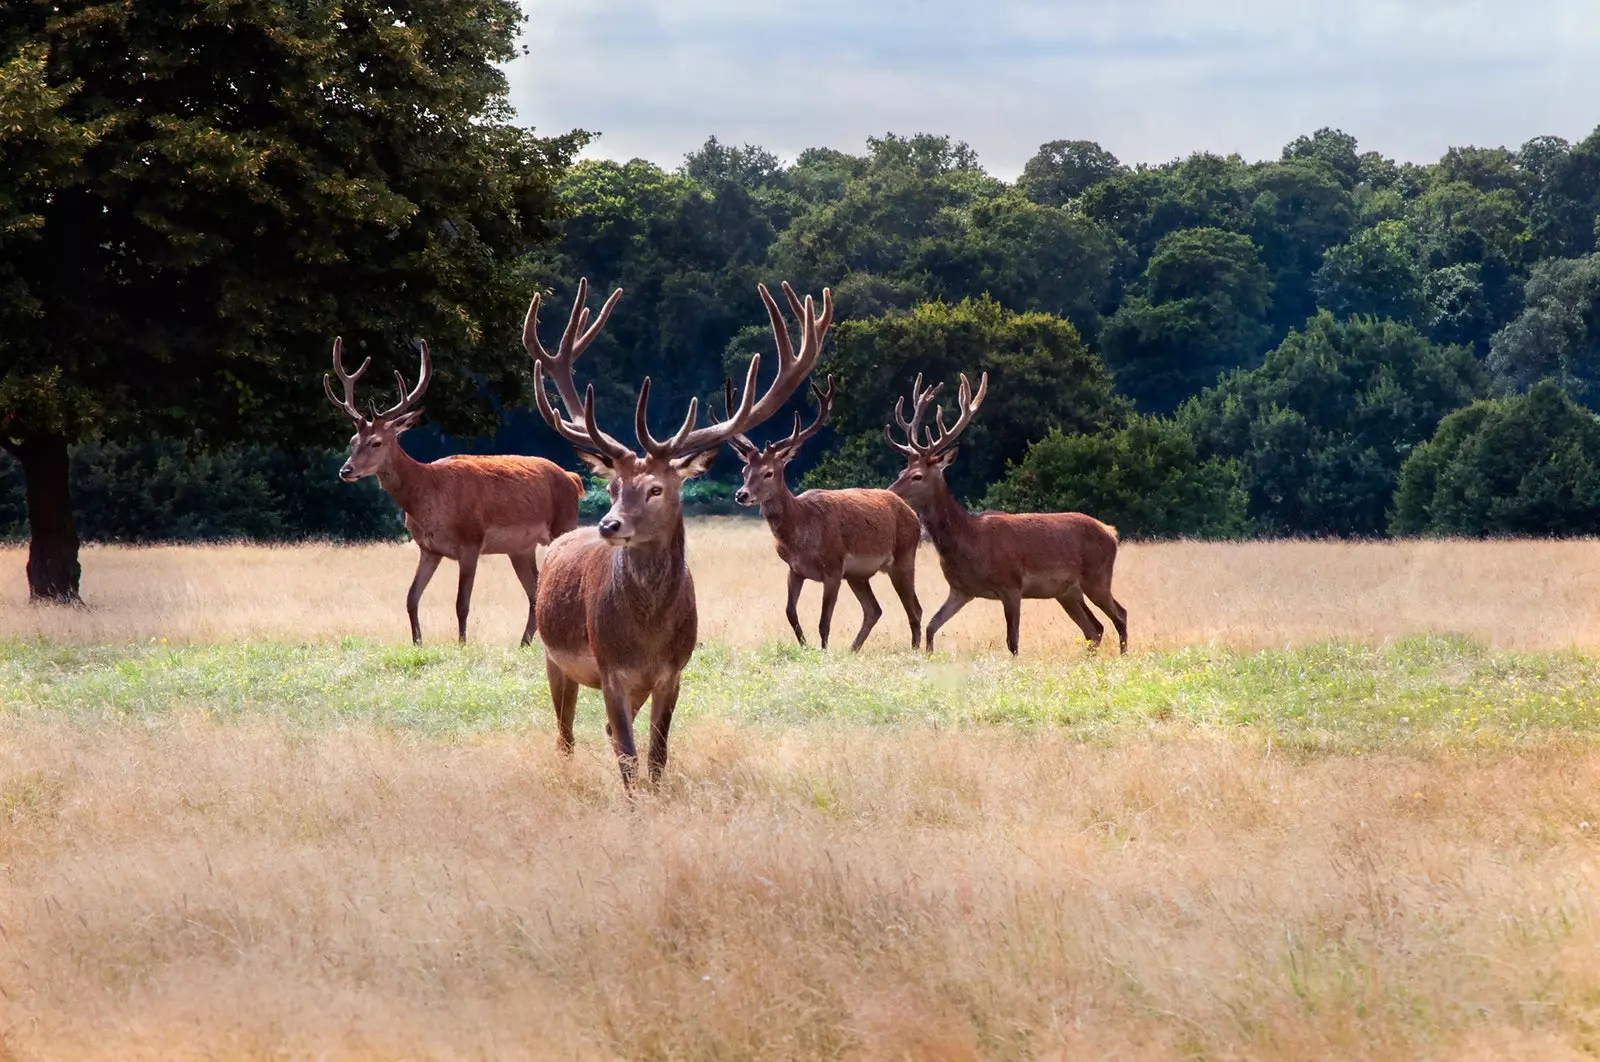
x=1342 y=802
x=1514 y=595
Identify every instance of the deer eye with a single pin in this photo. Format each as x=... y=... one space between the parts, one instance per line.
x=916 y=475
x=655 y=491
x=769 y=474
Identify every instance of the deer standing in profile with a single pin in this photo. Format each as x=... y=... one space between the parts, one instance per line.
x=616 y=607
x=1006 y=556
x=830 y=536
x=459 y=507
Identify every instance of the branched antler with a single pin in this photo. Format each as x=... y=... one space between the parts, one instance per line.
x=348 y=379
x=797 y=438
x=920 y=439
x=575 y=339
x=348 y=403
x=793 y=368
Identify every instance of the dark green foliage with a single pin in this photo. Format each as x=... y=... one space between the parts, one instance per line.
x=154 y=491
x=1557 y=335
x=1040 y=377
x=1527 y=465
x=1199 y=309
x=258 y=178
x=1321 y=427
x=1374 y=274
x=1146 y=479
x=1062 y=170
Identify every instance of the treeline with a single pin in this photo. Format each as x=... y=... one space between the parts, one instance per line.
x=1329 y=344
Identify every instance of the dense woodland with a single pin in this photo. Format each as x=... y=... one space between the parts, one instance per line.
x=1326 y=343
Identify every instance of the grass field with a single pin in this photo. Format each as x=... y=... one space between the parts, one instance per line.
x=1341 y=801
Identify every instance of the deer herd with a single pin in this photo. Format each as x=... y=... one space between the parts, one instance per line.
x=615 y=604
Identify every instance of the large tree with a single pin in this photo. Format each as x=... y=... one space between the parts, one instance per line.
x=200 y=196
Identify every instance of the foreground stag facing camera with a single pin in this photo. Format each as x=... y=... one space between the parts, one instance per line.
x=830 y=536
x=459 y=507
x=1005 y=556
x=616 y=607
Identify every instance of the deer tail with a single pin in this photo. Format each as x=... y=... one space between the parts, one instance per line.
x=577 y=481
x=1110 y=530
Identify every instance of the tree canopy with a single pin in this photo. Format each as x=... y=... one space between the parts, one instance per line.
x=270 y=175
x=210 y=193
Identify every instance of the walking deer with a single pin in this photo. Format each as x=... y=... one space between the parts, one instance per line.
x=458 y=507
x=616 y=608
x=830 y=536
x=1065 y=556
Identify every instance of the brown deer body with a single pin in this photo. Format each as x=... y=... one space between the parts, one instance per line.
x=1002 y=556
x=616 y=607
x=832 y=536
x=459 y=507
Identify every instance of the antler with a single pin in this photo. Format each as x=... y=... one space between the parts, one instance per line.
x=916 y=432
x=969 y=405
x=409 y=399
x=575 y=339
x=792 y=370
x=348 y=405
x=348 y=379
x=797 y=438
x=920 y=400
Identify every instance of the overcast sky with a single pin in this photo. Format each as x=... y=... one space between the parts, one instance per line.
x=1149 y=79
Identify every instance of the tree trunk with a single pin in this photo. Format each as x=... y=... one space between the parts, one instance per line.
x=53 y=570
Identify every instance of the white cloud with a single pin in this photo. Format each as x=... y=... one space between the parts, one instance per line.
x=1148 y=79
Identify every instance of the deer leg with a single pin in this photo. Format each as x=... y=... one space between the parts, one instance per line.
x=469 y=572
x=796 y=581
x=527 y=569
x=564 y=695
x=952 y=604
x=1101 y=596
x=830 y=597
x=427 y=564
x=1013 y=606
x=662 y=701
x=870 y=610
x=1093 y=630
x=619 y=727
x=904 y=580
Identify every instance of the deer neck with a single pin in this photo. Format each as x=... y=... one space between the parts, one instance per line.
x=403 y=477
x=779 y=510
x=649 y=575
x=946 y=519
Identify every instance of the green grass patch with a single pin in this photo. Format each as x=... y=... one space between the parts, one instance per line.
x=1428 y=691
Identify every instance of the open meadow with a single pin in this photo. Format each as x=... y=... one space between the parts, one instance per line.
x=1341 y=800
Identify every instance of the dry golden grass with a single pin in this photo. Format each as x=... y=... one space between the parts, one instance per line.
x=196 y=891
x=192 y=866
x=1526 y=595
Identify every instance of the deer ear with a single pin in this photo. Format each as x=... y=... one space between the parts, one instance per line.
x=599 y=464
x=942 y=460
x=696 y=464
x=406 y=420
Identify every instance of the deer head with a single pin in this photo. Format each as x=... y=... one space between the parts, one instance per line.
x=645 y=488
x=377 y=438
x=764 y=466
x=927 y=456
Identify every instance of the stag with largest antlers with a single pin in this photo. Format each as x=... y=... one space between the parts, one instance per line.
x=1004 y=556
x=616 y=608
x=459 y=507
x=831 y=536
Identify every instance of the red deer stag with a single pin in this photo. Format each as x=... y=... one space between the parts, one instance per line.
x=616 y=604
x=1007 y=556
x=458 y=507
x=830 y=536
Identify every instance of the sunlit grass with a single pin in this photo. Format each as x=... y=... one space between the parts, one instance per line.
x=1338 y=696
